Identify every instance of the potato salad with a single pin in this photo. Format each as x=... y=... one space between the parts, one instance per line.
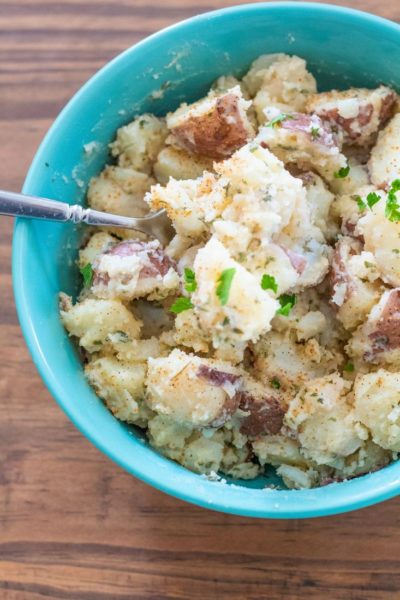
x=267 y=332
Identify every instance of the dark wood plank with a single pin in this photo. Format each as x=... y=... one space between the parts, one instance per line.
x=72 y=525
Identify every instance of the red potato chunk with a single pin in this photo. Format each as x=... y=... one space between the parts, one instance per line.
x=265 y=414
x=377 y=341
x=304 y=140
x=213 y=127
x=192 y=390
x=133 y=269
x=264 y=411
x=156 y=261
x=297 y=261
x=352 y=295
x=216 y=377
x=342 y=282
x=357 y=113
x=385 y=325
x=313 y=127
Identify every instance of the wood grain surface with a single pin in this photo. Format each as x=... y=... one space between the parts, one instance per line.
x=72 y=524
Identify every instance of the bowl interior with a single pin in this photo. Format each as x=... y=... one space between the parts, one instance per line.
x=342 y=48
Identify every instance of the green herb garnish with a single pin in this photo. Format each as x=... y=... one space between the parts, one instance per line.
x=275 y=383
x=287 y=301
x=348 y=367
x=372 y=199
x=181 y=304
x=190 y=280
x=277 y=120
x=87 y=274
x=360 y=203
x=268 y=282
x=224 y=285
x=392 y=209
x=315 y=133
x=342 y=173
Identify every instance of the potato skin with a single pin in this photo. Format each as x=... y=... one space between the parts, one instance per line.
x=266 y=414
x=386 y=332
x=358 y=113
x=198 y=392
x=218 y=132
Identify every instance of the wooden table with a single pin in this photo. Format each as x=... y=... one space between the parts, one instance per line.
x=72 y=524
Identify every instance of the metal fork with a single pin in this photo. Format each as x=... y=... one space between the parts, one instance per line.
x=157 y=224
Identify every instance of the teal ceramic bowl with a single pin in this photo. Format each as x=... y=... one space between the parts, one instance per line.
x=343 y=47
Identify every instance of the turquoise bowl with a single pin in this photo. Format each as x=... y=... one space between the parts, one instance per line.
x=343 y=47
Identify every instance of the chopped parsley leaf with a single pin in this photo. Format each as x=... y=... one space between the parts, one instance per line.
x=360 y=203
x=396 y=250
x=369 y=265
x=277 y=120
x=372 y=199
x=224 y=285
x=268 y=282
x=225 y=321
x=181 y=304
x=342 y=173
x=190 y=280
x=392 y=209
x=320 y=400
x=87 y=274
x=287 y=301
x=275 y=383
x=315 y=133
x=348 y=367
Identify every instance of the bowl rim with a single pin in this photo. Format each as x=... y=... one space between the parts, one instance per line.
x=357 y=493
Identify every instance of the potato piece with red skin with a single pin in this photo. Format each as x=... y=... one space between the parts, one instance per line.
x=304 y=140
x=133 y=269
x=358 y=113
x=346 y=211
x=378 y=340
x=263 y=406
x=214 y=127
x=196 y=391
x=351 y=294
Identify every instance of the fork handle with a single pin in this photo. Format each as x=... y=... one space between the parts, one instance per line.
x=33 y=207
